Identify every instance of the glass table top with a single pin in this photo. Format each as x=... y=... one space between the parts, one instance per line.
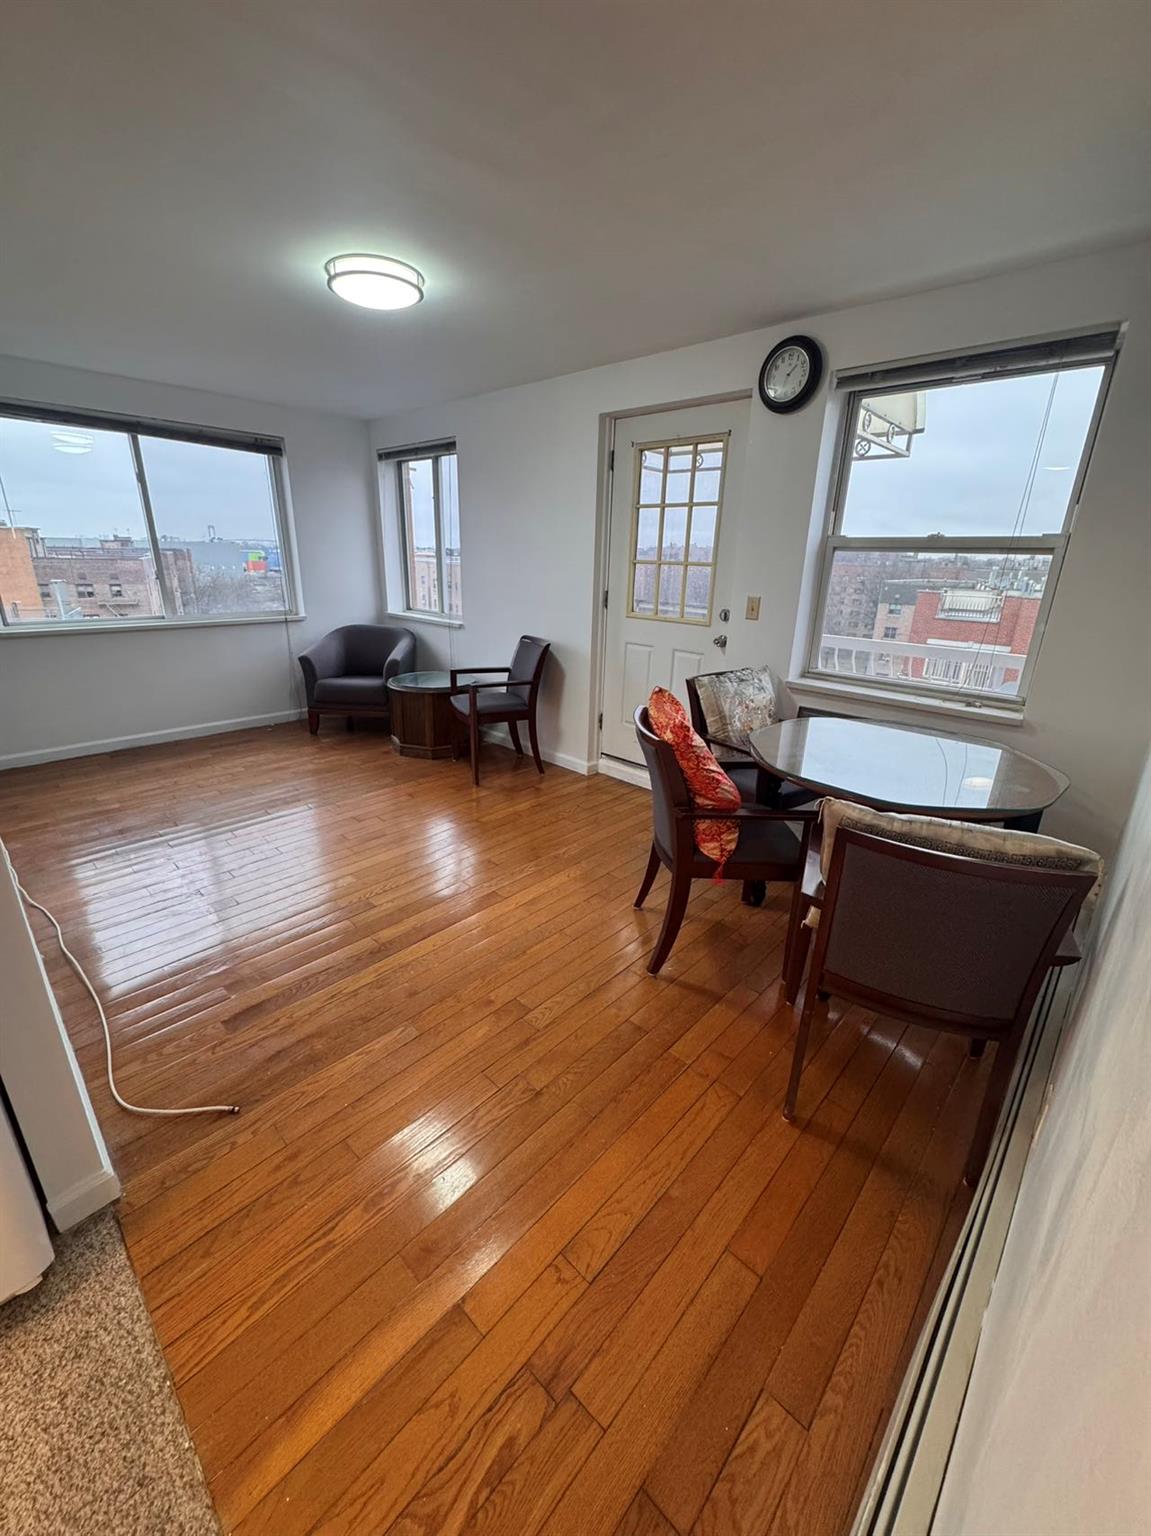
x=895 y=767
x=432 y=682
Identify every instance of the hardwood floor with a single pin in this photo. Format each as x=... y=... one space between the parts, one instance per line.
x=509 y=1237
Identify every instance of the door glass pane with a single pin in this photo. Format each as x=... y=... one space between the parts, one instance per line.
x=647 y=534
x=73 y=541
x=215 y=515
x=703 y=521
x=960 y=619
x=417 y=478
x=651 y=475
x=643 y=589
x=450 y=527
x=679 y=474
x=697 y=598
x=674 y=531
x=997 y=457
x=670 y=590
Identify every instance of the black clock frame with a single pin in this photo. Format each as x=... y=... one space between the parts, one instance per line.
x=814 y=378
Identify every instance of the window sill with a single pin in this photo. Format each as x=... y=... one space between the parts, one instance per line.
x=428 y=618
x=135 y=626
x=919 y=703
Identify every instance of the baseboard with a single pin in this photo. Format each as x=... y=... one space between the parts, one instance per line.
x=629 y=773
x=147 y=739
x=90 y=1195
x=498 y=736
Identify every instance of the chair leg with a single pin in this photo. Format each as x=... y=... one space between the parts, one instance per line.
x=976 y=1048
x=314 y=721
x=514 y=729
x=672 y=918
x=793 y=976
x=649 y=875
x=794 y=920
x=754 y=893
x=800 y=1050
x=1005 y=1053
x=535 y=741
x=474 y=743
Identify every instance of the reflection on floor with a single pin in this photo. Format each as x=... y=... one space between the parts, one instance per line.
x=91 y=1437
x=510 y=1237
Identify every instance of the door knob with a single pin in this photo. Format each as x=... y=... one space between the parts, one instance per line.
x=721 y=642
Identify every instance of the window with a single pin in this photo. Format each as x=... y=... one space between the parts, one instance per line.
x=428 y=506
x=675 y=529
x=105 y=519
x=952 y=507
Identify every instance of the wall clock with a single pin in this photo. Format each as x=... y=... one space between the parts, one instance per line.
x=790 y=374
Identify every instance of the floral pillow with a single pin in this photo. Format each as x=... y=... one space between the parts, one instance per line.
x=737 y=703
x=707 y=784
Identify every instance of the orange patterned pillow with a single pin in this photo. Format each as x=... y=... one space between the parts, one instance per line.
x=707 y=784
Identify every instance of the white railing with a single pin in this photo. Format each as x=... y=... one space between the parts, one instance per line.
x=944 y=666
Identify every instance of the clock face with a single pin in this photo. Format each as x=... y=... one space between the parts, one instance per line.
x=788 y=374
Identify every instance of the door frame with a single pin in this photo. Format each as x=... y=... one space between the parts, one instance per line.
x=609 y=423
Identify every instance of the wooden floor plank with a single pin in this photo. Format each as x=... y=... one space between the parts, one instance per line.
x=483 y=1157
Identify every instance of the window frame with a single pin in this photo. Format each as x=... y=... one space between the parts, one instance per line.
x=399 y=458
x=712 y=565
x=833 y=540
x=271 y=449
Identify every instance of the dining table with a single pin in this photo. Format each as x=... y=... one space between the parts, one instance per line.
x=906 y=768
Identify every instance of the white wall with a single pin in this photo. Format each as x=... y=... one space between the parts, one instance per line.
x=66 y=692
x=529 y=476
x=1055 y=1434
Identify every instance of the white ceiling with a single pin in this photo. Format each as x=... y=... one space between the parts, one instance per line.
x=580 y=180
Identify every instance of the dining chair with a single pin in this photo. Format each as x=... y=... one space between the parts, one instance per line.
x=510 y=700
x=754 y=783
x=941 y=939
x=768 y=847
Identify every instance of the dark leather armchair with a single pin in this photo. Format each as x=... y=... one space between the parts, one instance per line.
x=346 y=673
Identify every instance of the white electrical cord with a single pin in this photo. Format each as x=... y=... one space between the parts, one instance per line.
x=133 y=1109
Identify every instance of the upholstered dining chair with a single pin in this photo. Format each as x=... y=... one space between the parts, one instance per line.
x=346 y=673
x=510 y=700
x=936 y=938
x=724 y=707
x=768 y=848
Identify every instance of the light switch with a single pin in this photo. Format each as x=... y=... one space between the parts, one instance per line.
x=752 y=608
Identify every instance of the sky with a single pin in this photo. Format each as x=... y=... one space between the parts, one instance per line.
x=968 y=473
x=94 y=493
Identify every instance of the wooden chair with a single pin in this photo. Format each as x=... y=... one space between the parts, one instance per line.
x=768 y=848
x=942 y=939
x=508 y=701
x=755 y=784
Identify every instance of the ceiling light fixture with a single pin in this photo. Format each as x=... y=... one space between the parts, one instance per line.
x=375 y=282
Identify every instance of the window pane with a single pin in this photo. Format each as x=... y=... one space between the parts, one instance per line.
x=651 y=475
x=703 y=533
x=697 y=598
x=73 y=540
x=957 y=619
x=643 y=589
x=670 y=590
x=420 y=531
x=647 y=534
x=679 y=474
x=998 y=457
x=674 y=532
x=215 y=515
x=450 y=525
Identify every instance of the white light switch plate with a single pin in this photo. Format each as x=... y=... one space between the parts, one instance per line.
x=752 y=608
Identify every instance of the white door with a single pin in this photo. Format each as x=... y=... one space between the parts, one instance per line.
x=676 y=493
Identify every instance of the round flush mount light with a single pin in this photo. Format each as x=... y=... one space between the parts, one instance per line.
x=70 y=440
x=375 y=282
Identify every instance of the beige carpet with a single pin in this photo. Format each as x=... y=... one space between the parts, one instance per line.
x=92 y=1441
